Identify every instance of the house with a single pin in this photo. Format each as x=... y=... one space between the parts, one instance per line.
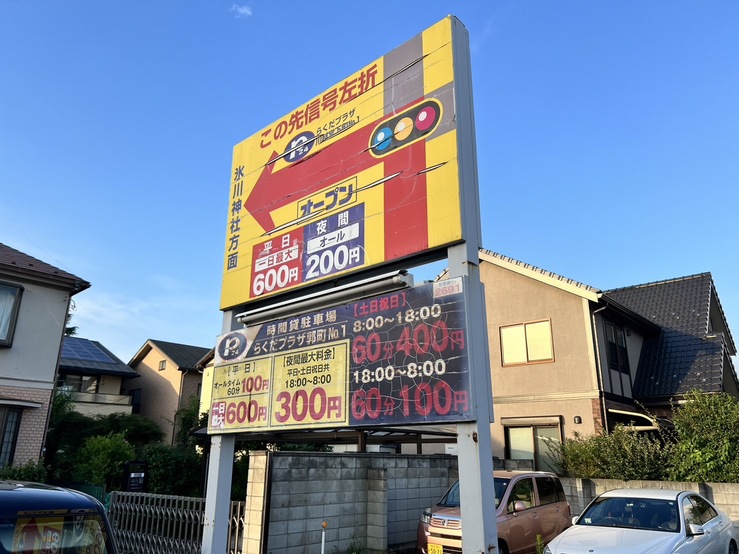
x=93 y=377
x=568 y=358
x=695 y=347
x=34 y=302
x=168 y=376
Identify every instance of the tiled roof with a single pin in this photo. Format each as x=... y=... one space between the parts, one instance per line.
x=683 y=357
x=88 y=357
x=184 y=355
x=15 y=262
x=539 y=270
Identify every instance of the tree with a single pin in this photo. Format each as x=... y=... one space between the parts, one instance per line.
x=70 y=330
x=707 y=429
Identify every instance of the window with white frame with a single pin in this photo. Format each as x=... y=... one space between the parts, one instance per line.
x=162 y=365
x=10 y=301
x=526 y=343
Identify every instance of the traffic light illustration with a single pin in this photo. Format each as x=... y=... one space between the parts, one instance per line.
x=405 y=128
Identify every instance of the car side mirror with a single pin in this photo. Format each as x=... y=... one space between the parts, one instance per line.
x=519 y=506
x=694 y=530
x=574 y=519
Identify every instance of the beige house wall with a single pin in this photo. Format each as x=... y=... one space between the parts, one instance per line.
x=160 y=391
x=564 y=388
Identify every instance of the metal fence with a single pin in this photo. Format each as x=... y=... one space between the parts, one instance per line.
x=161 y=524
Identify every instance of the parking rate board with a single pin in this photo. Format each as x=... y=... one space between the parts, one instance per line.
x=361 y=175
x=393 y=359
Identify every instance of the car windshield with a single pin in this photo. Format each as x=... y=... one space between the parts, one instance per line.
x=451 y=498
x=632 y=513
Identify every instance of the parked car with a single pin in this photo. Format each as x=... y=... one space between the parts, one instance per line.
x=40 y=519
x=648 y=520
x=528 y=503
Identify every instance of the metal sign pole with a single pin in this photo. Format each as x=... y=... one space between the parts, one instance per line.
x=475 y=454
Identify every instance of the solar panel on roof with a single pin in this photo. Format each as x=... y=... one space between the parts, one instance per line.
x=81 y=349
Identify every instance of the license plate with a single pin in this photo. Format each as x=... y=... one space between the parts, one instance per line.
x=435 y=549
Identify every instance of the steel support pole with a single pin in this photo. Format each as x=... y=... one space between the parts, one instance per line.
x=218 y=494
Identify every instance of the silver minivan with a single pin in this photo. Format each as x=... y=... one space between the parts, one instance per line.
x=529 y=504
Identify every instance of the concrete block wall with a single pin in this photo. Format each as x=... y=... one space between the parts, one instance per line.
x=374 y=501
x=370 y=501
x=581 y=491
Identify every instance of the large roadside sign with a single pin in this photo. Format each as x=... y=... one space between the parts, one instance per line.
x=362 y=175
x=395 y=359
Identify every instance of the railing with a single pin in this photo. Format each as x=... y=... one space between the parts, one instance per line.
x=160 y=524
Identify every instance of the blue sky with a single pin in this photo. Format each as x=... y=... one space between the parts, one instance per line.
x=607 y=133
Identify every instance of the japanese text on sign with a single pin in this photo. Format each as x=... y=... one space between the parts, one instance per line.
x=397 y=358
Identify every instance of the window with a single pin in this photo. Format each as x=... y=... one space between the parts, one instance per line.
x=618 y=358
x=550 y=490
x=78 y=383
x=523 y=491
x=698 y=511
x=10 y=301
x=532 y=439
x=136 y=401
x=526 y=343
x=10 y=419
x=162 y=365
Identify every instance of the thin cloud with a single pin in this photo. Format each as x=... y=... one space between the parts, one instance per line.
x=241 y=11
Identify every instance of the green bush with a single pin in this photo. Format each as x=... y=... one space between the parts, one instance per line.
x=703 y=447
x=30 y=471
x=707 y=430
x=173 y=470
x=623 y=454
x=101 y=460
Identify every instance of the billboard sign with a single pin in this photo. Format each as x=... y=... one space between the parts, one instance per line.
x=393 y=359
x=359 y=176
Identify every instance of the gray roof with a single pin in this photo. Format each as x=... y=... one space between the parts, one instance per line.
x=88 y=357
x=14 y=262
x=184 y=355
x=685 y=356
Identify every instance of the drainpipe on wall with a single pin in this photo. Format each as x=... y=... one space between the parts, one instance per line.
x=599 y=369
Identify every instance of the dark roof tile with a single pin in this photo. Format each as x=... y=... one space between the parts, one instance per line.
x=15 y=262
x=184 y=355
x=682 y=357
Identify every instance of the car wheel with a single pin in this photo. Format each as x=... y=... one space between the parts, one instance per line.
x=732 y=548
x=503 y=548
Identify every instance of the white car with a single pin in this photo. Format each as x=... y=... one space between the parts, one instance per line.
x=648 y=520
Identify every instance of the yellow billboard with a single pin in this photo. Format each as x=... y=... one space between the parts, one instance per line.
x=364 y=174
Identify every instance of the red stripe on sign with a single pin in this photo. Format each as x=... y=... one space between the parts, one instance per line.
x=406 y=218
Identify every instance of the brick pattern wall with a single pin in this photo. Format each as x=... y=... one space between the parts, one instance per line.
x=33 y=422
x=257 y=486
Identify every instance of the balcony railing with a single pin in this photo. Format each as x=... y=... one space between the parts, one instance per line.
x=100 y=398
